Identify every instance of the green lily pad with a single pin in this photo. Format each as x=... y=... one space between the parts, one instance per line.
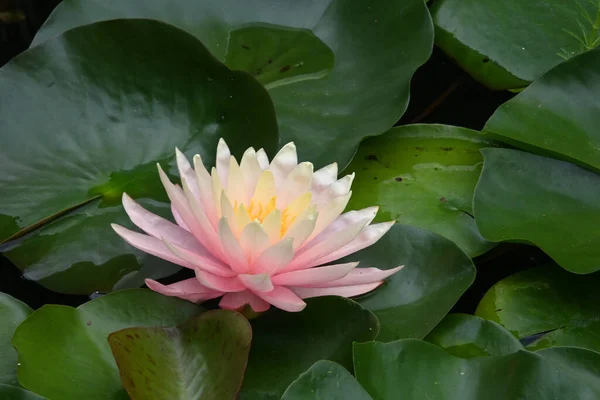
x=423 y=175
x=468 y=336
x=412 y=301
x=9 y=392
x=284 y=344
x=507 y=44
x=413 y=369
x=552 y=204
x=557 y=307
x=203 y=358
x=12 y=313
x=325 y=380
x=336 y=71
x=103 y=107
x=60 y=345
x=558 y=114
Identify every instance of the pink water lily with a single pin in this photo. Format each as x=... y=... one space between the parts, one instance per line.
x=259 y=233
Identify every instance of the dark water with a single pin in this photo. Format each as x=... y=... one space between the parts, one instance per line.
x=441 y=93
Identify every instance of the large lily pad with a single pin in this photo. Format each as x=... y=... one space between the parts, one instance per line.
x=506 y=44
x=468 y=336
x=325 y=380
x=423 y=175
x=12 y=313
x=415 y=299
x=202 y=359
x=103 y=106
x=559 y=114
x=337 y=71
x=412 y=369
x=553 y=306
x=59 y=345
x=284 y=344
x=552 y=204
x=9 y=392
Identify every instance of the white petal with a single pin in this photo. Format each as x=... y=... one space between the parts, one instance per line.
x=265 y=188
x=368 y=236
x=217 y=190
x=329 y=212
x=301 y=229
x=308 y=258
x=360 y=276
x=336 y=189
x=283 y=163
x=272 y=225
x=296 y=183
x=222 y=161
x=275 y=257
x=262 y=158
x=204 y=182
x=186 y=173
x=253 y=240
x=251 y=170
x=232 y=249
x=257 y=283
x=236 y=186
x=312 y=276
x=324 y=177
x=344 y=291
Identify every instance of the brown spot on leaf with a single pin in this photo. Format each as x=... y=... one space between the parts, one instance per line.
x=419 y=148
x=128 y=336
x=285 y=68
x=447 y=148
x=485 y=60
x=443 y=199
x=398 y=179
x=245 y=46
x=372 y=157
x=88 y=323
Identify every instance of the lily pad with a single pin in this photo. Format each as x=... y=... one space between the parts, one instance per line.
x=468 y=336
x=286 y=344
x=9 y=392
x=412 y=369
x=555 y=307
x=325 y=380
x=203 y=358
x=507 y=44
x=12 y=313
x=550 y=203
x=558 y=114
x=103 y=108
x=336 y=71
x=423 y=175
x=59 y=345
x=412 y=301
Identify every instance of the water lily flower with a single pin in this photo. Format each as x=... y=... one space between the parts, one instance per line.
x=259 y=233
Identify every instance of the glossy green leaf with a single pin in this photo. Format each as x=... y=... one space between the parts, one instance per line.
x=325 y=380
x=552 y=204
x=415 y=299
x=286 y=344
x=103 y=108
x=561 y=308
x=423 y=175
x=557 y=114
x=204 y=358
x=468 y=336
x=506 y=44
x=412 y=369
x=60 y=345
x=337 y=71
x=9 y=392
x=12 y=313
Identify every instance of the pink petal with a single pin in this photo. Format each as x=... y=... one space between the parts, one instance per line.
x=150 y=245
x=235 y=301
x=275 y=258
x=311 y=276
x=344 y=291
x=178 y=218
x=343 y=221
x=220 y=283
x=186 y=173
x=367 y=237
x=283 y=298
x=232 y=249
x=159 y=227
x=189 y=289
x=210 y=265
x=257 y=283
x=360 y=276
